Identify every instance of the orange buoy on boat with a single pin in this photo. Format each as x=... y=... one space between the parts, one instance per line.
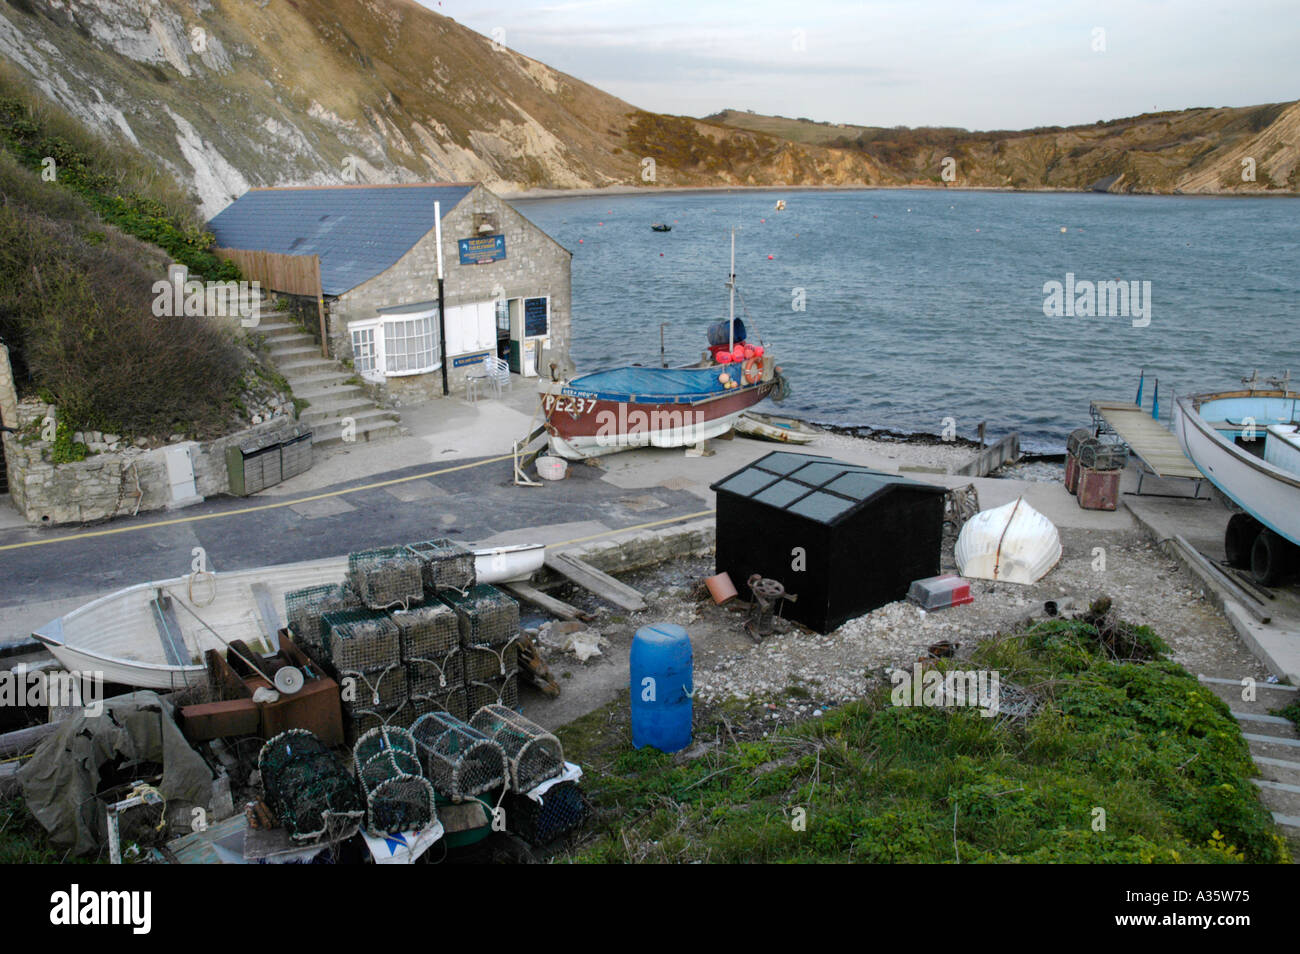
x=753 y=370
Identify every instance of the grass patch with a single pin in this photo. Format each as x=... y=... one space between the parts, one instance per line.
x=1116 y=728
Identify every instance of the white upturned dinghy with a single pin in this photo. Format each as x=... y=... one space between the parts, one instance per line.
x=1013 y=543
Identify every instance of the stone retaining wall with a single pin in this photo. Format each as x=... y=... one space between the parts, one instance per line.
x=104 y=484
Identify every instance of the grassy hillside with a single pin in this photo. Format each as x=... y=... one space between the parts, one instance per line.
x=82 y=241
x=1105 y=725
x=1190 y=151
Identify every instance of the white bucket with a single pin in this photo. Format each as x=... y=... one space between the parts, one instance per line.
x=552 y=468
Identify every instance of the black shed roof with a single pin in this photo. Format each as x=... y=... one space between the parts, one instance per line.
x=816 y=488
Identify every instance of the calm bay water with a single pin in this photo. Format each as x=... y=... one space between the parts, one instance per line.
x=926 y=305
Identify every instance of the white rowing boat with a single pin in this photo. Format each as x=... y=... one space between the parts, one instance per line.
x=1247 y=442
x=133 y=638
x=1013 y=543
x=786 y=430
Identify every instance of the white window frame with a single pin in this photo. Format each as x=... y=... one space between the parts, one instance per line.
x=379 y=329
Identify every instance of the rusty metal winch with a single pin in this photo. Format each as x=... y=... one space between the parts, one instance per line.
x=767 y=594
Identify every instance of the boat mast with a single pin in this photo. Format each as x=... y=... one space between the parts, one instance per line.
x=731 y=286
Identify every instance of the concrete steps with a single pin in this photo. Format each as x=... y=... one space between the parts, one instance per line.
x=334 y=404
x=1274 y=745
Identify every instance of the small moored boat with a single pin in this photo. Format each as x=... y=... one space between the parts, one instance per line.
x=768 y=427
x=661 y=227
x=1013 y=543
x=154 y=635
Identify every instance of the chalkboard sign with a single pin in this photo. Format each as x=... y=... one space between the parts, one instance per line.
x=536 y=315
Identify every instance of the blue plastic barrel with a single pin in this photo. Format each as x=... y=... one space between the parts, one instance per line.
x=662 y=683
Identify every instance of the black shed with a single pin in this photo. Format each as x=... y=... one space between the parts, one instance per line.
x=843 y=538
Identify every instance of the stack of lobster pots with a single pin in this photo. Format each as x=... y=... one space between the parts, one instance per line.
x=410 y=632
x=1092 y=469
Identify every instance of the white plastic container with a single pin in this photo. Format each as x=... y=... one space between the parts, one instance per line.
x=552 y=468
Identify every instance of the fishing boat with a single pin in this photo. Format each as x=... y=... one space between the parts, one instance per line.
x=633 y=406
x=661 y=227
x=154 y=635
x=1013 y=543
x=1247 y=443
x=768 y=427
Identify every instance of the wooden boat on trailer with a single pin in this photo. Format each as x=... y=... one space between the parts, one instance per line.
x=633 y=406
x=154 y=635
x=1247 y=443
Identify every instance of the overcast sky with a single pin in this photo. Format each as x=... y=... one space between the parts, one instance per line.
x=979 y=64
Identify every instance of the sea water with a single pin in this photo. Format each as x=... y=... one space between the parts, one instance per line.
x=930 y=311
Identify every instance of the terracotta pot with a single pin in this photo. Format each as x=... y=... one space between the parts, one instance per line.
x=721 y=588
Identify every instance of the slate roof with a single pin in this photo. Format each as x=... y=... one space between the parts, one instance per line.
x=818 y=488
x=358 y=231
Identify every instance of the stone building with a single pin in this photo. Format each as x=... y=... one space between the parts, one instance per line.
x=506 y=288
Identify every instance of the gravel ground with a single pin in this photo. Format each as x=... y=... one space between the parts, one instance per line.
x=798 y=673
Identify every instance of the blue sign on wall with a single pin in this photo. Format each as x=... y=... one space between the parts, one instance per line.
x=466 y=359
x=481 y=250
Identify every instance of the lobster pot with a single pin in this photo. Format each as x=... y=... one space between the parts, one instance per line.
x=426 y=632
x=383 y=689
x=533 y=754
x=453 y=701
x=459 y=760
x=360 y=717
x=398 y=797
x=1099 y=456
x=486 y=616
x=446 y=566
x=1078 y=437
x=305 y=786
x=304 y=609
x=386 y=577
x=563 y=808
x=360 y=641
x=491 y=662
x=427 y=678
x=486 y=692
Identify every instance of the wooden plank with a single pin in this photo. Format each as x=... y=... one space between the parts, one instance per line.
x=991 y=458
x=22 y=741
x=530 y=594
x=1249 y=602
x=1150 y=441
x=592 y=579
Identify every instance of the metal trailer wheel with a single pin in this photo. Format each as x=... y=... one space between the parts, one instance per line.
x=1239 y=539
x=1271 y=558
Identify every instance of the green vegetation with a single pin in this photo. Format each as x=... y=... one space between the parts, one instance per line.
x=122 y=188
x=1113 y=727
x=22 y=839
x=76 y=312
x=76 y=294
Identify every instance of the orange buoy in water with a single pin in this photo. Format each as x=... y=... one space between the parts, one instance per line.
x=770 y=257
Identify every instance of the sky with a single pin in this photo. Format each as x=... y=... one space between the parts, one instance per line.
x=976 y=64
